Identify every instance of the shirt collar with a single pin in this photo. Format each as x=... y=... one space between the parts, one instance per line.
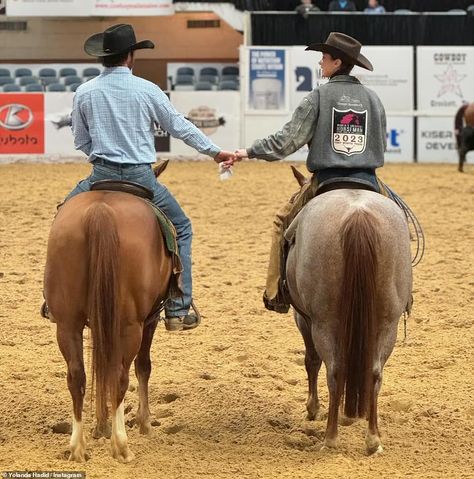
x=348 y=78
x=109 y=70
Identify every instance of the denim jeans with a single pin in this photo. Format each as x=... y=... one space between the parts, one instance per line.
x=143 y=174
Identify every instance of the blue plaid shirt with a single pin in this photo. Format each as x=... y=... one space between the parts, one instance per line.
x=114 y=117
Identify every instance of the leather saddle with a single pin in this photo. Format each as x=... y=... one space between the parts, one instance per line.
x=124 y=187
x=347 y=182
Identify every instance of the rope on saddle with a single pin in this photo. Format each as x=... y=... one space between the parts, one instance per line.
x=416 y=230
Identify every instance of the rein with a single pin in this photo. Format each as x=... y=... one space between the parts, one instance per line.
x=413 y=224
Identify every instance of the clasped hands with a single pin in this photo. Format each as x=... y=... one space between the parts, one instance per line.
x=227 y=158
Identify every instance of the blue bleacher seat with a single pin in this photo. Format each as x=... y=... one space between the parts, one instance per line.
x=209 y=71
x=23 y=72
x=230 y=78
x=24 y=80
x=67 y=72
x=69 y=80
x=74 y=86
x=48 y=80
x=57 y=87
x=228 y=85
x=210 y=78
x=34 y=87
x=11 y=87
x=230 y=70
x=90 y=72
x=6 y=80
x=4 y=72
x=203 y=85
x=185 y=71
x=47 y=72
x=184 y=80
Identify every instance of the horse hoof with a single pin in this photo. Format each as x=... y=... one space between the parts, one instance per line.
x=375 y=451
x=77 y=456
x=124 y=457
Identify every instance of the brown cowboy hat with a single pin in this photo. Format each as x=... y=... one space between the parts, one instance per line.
x=115 y=40
x=344 y=47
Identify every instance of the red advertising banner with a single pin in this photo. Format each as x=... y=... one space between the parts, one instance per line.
x=21 y=123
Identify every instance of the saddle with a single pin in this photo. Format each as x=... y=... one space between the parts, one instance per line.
x=167 y=228
x=124 y=187
x=347 y=183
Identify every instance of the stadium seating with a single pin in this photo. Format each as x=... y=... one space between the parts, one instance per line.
x=67 y=72
x=69 y=80
x=209 y=71
x=230 y=70
x=228 y=85
x=47 y=72
x=74 y=86
x=23 y=72
x=33 y=87
x=48 y=80
x=11 y=87
x=57 y=87
x=203 y=85
x=27 y=80
x=213 y=79
x=184 y=82
x=6 y=80
x=90 y=72
x=185 y=71
x=4 y=72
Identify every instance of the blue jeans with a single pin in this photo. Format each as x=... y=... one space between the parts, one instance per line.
x=143 y=174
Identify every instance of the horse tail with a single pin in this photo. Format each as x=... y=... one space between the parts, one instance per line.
x=103 y=242
x=360 y=240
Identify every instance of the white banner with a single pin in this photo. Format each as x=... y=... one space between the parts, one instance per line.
x=86 y=8
x=400 y=139
x=103 y=8
x=393 y=84
x=57 y=129
x=436 y=140
x=215 y=113
x=445 y=78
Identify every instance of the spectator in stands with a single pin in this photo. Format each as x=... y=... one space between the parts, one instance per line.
x=305 y=7
x=373 y=6
x=113 y=122
x=342 y=6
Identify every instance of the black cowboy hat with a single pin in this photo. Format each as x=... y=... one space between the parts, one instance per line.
x=115 y=40
x=342 y=46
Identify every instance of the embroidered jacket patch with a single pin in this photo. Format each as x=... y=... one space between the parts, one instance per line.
x=349 y=131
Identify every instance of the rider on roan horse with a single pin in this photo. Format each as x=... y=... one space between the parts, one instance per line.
x=344 y=125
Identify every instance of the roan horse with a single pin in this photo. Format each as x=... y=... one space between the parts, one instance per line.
x=349 y=276
x=107 y=265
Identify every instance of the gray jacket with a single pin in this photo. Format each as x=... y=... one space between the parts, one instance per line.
x=343 y=122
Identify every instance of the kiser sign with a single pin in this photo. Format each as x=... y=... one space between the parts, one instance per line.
x=21 y=123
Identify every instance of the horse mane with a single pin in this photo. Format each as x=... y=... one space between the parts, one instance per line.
x=360 y=241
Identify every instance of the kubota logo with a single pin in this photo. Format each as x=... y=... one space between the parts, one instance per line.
x=15 y=117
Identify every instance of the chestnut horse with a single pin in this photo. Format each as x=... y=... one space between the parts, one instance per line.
x=349 y=276
x=107 y=266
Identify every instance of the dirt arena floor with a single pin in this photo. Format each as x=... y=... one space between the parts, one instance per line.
x=229 y=397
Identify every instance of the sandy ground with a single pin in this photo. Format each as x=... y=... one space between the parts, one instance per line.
x=230 y=396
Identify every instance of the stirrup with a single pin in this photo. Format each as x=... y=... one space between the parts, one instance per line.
x=275 y=304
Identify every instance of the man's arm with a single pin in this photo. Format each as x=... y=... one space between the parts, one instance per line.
x=176 y=125
x=80 y=129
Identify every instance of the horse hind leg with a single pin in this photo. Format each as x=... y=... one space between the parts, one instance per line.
x=372 y=439
x=330 y=439
x=70 y=344
x=143 y=371
x=130 y=345
x=312 y=363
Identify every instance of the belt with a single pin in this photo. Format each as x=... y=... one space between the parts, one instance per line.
x=102 y=161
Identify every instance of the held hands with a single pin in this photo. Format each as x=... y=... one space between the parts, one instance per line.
x=227 y=158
